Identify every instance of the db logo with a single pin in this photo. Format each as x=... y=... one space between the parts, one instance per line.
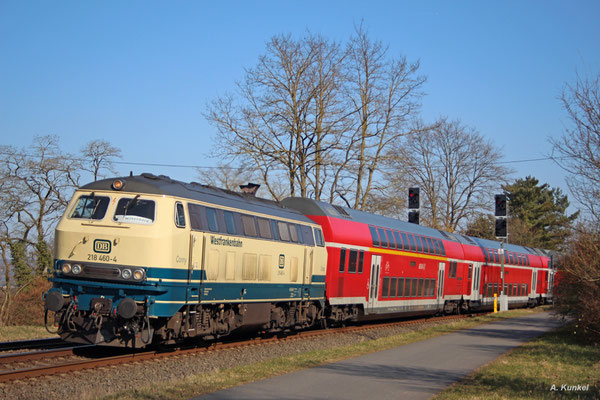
x=102 y=246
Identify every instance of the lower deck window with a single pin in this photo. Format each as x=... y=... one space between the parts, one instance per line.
x=393 y=284
x=407 y=287
x=400 y=287
x=385 y=287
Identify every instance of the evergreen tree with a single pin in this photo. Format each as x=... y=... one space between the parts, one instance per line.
x=21 y=270
x=43 y=256
x=538 y=214
x=481 y=227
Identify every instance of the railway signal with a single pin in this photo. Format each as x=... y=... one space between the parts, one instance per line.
x=500 y=205
x=413 y=217
x=413 y=198
x=413 y=205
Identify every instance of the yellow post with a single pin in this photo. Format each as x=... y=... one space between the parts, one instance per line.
x=495 y=302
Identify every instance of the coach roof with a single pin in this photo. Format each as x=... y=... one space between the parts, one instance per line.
x=163 y=185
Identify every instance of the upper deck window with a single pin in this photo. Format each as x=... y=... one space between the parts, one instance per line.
x=384 y=242
x=91 y=207
x=135 y=211
x=374 y=236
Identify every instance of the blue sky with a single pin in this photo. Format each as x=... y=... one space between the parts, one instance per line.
x=140 y=73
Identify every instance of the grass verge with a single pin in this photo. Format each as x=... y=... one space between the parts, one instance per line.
x=23 y=332
x=237 y=375
x=528 y=372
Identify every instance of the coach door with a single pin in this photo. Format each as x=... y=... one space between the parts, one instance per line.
x=534 y=283
x=475 y=296
x=374 y=282
x=440 y=291
x=195 y=272
x=308 y=267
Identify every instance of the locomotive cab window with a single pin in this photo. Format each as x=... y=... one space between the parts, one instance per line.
x=90 y=207
x=135 y=211
x=179 y=215
x=319 y=237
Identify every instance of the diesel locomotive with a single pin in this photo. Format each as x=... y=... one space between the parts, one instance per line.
x=148 y=259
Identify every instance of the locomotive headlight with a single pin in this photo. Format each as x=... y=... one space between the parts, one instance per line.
x=76 y=269
x=138 y=274
x=126 y=273
x=66 y=268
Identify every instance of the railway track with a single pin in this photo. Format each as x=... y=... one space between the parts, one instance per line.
x=56 y=361
x=32 y=344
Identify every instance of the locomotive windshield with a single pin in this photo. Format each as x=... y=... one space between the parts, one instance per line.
x=90 y=207
x=135 y=211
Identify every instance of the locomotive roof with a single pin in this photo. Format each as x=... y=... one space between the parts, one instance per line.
x=319 y=208
x=163 y=185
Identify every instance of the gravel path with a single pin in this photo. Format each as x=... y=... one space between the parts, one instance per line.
x=95 y=383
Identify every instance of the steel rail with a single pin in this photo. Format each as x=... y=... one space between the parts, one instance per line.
x=31 y=344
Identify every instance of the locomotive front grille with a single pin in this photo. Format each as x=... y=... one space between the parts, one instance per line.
x=101 y=272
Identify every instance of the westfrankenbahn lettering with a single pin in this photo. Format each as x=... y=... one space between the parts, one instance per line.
x=220 y=241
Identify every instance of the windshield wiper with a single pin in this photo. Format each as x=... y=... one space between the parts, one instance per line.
x=130 y=204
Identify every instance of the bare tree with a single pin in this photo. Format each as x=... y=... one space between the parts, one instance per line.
x=385 y=95
x=456 y=169
x=276 y=123
x=321 y=116
x=579 y=147
x=35 y=186
x=99 y=155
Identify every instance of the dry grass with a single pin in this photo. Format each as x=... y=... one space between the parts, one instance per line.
x=529 y=371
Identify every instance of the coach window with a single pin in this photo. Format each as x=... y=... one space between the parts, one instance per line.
x=384 y=242
x=425 y=245
x=407 y=287
x=414 y=288
x=470 y=271
x=419 y=244
x=436 y=247
x=342 y=260
x=426 y=291
x=411 y=240
x=391 y=239
x=352 y=261
x=496 y=257
x=374 y=236
x=421 y=281
x=361 y=260
x=211 y=217
x=179 y=215
x=405 y=240
x=293 y=233
x=264 y=228
x=393 y=285
x=91 y=207
x=229 y=222
x=385 y=287
x=249 y=225
x=399 y=244
x=442 y=248
x=431 y=246
x=284 y=231
x=400 y=287
x=319 y=237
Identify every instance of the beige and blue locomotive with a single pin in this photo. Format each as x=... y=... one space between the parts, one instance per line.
x=146 y=258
